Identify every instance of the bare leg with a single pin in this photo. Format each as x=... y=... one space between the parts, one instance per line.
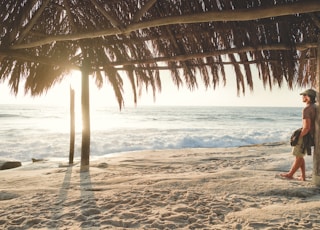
x=303 y=170
x=295 y=166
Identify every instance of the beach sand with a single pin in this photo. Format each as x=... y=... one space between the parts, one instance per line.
x=217 y=188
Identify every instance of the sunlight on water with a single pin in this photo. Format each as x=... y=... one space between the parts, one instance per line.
x=41 y=132
x=99 y=120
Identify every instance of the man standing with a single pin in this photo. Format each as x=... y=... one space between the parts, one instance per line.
x=308 y=126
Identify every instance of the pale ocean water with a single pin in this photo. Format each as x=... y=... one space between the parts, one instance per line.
x=33 y=131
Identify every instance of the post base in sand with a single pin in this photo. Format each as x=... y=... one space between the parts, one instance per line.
x=316 y=180
x=84 y=168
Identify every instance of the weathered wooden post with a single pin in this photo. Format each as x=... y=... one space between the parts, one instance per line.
x=316 y=155
x=85 y=104
x=72 y=127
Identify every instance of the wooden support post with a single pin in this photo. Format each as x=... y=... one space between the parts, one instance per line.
x=72 y=127
x=316 y=155
x=85 y=104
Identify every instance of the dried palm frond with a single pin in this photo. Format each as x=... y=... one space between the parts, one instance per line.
x=187 y=38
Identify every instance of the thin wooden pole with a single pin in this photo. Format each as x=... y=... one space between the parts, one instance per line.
x=85 y=145
x=72 y=126
x=316 y=155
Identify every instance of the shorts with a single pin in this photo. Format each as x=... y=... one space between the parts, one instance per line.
x=297 y=149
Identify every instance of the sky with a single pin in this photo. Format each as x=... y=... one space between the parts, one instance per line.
x=169 y=96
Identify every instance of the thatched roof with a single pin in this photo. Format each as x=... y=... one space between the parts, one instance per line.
x=41 y=40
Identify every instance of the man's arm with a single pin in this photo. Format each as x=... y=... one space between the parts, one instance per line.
x=306 y=125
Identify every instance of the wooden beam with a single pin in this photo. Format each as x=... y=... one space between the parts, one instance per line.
x=117 y=24
x=72 y=126
x=316 y=153
x=33 y=21
x=69 y=14
x=315 y=20
x=67 y=64
x=36 y=59
x=215 y=53
x=162 y=67
x=143 y=10
x=86 y=130
x=179 y=35
x=215 y=16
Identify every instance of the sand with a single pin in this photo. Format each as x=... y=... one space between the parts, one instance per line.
x=217 y=188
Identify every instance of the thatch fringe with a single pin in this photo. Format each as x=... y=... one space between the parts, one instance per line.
x=41 y=40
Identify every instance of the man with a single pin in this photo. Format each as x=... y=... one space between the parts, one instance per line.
x=308 y=126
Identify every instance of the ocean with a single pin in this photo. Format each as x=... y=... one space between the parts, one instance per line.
x=43 y=132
